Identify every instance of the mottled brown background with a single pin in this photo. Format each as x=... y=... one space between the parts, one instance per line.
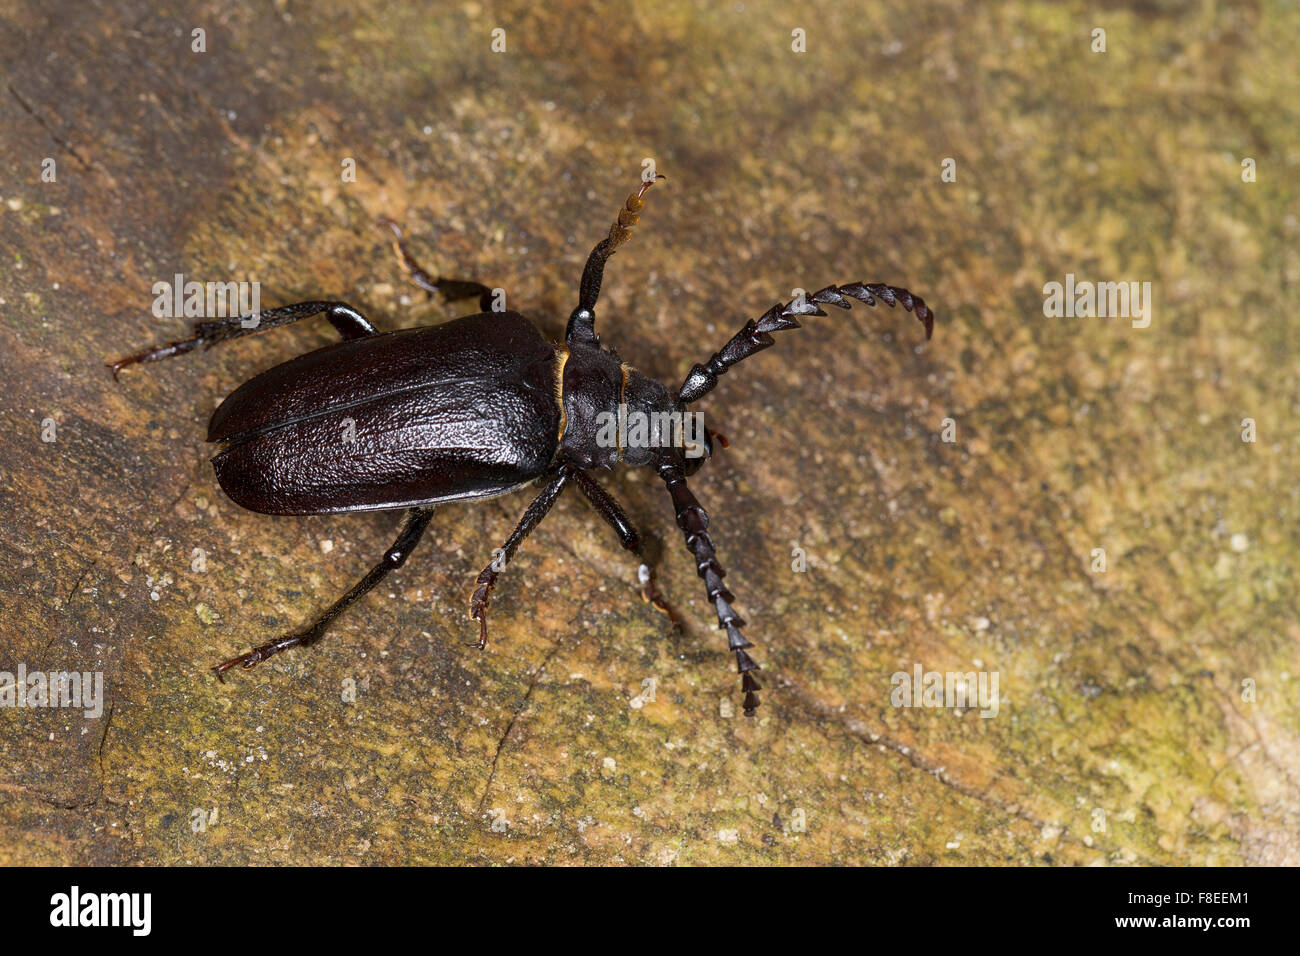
x=1120 y=691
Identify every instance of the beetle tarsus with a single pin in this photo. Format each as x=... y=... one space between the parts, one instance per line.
x=451 y=290
x=262 y=652
x=478 y=606
x=156 y=354
x=651 y=594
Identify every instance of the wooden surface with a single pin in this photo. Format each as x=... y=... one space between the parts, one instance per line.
x=1121 y=694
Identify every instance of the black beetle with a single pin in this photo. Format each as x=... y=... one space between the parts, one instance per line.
x=472 y=408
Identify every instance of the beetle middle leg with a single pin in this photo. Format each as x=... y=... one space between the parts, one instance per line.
x=487 y=579
x=349 y=323
x=417 y=520
x=630 y=538
x=449 y=289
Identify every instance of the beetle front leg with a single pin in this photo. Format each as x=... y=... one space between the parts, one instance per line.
x=450 y=289
x=487 y=579
x=630 y=538
x=349 y=323
x=694 y=522
x=417 y=520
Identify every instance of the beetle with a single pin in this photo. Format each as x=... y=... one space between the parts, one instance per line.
x=472 y=408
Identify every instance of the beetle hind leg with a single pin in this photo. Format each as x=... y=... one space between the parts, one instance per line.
x=417 y=520
x=450 y=289
x=347 y=321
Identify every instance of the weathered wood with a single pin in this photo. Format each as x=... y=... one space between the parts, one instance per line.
x=1120 y=692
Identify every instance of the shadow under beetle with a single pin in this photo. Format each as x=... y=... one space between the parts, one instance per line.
x=475 y=407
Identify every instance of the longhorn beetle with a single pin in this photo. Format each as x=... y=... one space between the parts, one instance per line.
x=472 y=408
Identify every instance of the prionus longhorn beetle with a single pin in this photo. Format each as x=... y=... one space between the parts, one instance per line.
x=475 y=407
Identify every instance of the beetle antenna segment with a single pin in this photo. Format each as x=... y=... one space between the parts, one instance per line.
x=694 y=522
x=756 y=335
x=582 y=323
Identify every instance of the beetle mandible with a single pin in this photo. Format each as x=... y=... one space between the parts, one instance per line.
x=476 y=407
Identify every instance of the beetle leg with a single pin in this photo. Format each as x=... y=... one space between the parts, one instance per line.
x=694 y=522
x=755 y=337
x=609 y=509
x=449 y=289
x=417 y=520
x=349 y=323
x=582 y=323
x=487 y=579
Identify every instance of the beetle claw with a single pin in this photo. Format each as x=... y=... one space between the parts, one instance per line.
x=220 y=669
x=258 y=654
x=478 y=605
x=651 y=594
x=479 y=614
x=243 y=661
